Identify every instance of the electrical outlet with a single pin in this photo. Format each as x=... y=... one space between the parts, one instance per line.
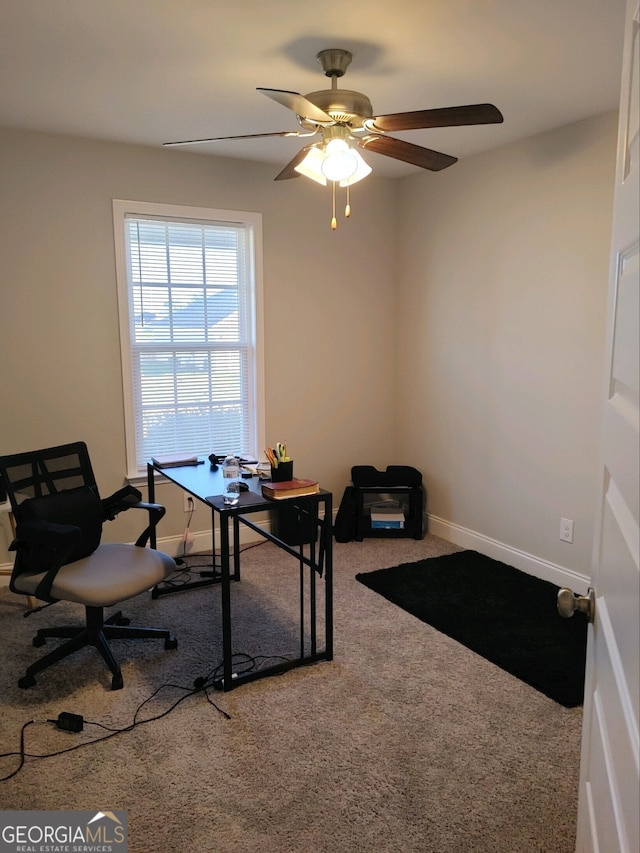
x=188 y=504
x=566 y=530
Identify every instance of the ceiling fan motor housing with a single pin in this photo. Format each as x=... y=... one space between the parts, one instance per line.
x=343 y=105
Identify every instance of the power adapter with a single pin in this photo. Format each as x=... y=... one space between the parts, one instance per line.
x=70 y=722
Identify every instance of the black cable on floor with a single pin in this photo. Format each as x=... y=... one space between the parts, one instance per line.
x=190 y=691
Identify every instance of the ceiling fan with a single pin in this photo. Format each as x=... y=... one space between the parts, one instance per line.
x=344 y=121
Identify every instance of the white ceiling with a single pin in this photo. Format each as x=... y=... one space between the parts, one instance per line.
x=153 y=71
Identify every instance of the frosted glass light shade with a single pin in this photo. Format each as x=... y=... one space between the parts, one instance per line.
x=339 y=162
x=311 y=166
x=363 y=169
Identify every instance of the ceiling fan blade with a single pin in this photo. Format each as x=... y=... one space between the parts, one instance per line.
x=289 y=170
x=243 y=136
x=444 y=117
x=298 y=103
x=407 y=151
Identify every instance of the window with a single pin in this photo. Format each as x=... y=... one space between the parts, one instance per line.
x=189 y=290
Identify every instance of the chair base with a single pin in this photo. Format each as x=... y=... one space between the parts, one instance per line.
x=97 y=632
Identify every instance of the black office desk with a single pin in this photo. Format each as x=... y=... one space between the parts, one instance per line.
x=315 y=558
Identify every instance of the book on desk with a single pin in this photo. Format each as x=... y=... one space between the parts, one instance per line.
x=175 y=460
x=295 y=488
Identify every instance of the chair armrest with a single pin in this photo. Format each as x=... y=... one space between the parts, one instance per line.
x=156 y=512
x=126 y=498
x=153 y=507
x=131 y=498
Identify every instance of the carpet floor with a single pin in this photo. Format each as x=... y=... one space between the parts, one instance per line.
x=407 y=742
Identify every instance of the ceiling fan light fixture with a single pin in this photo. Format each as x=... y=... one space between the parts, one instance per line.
x=311 y=166
x=339 y=163
x=345 y=120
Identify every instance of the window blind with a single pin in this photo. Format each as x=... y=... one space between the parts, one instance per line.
x=191 y=347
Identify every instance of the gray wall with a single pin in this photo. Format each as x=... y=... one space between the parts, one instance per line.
x=501 y=338
x=455 y=323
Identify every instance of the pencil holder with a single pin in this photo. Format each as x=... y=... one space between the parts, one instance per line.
x=283 y=472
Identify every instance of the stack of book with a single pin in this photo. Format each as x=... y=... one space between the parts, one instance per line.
x=387 y=520
x=295 y=488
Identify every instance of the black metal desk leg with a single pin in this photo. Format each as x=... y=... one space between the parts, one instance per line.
x=151 y=497
x=236 y=548
x=313 y=616
x=301 y=593
x=227 y=676
x=312 y=519
x=328 y=579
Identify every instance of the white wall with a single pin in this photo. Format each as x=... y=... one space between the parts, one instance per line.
x=328 y=299
x=501 y=321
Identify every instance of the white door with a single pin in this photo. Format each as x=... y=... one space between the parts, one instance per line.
x=609 y=775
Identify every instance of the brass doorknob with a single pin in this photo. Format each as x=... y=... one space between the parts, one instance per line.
x=569 y=602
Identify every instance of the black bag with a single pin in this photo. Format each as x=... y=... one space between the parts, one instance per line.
x=70 y=520
x=345 y=525
x=394 y=475
x=54 y=530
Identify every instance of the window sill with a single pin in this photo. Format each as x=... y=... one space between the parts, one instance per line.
x=140 y=480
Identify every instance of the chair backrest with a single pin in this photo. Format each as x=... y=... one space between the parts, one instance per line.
x=37 y=473
x=57 y=510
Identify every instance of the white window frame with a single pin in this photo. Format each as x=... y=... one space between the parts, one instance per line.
x=253 y=221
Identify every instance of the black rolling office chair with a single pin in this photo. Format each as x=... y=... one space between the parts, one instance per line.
x=58 y=516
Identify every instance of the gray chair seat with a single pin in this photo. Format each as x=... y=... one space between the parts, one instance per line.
x=113 y=573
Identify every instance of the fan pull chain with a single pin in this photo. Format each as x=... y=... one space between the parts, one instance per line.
x=334 y=221
x=347 y=208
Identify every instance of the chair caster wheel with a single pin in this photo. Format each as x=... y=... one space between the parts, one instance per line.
x=117 y=682
x=38 y=641
x=154 y=592
x=122 y=620
x=171 y=643
x=26 y=681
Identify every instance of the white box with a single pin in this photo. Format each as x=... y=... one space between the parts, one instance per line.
x=387 y=520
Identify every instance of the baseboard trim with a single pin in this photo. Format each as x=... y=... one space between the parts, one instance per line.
x=529 y=563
